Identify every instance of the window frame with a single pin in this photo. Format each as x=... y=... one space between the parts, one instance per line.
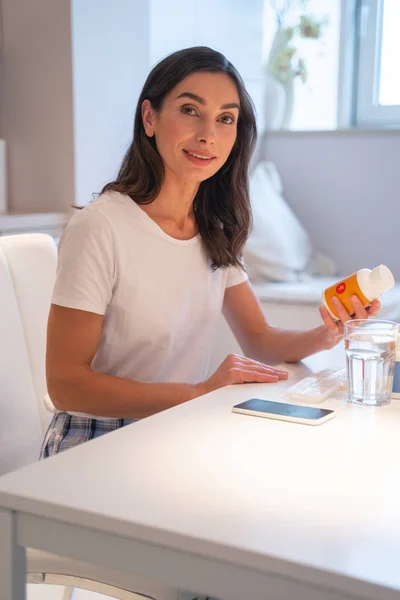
x=367 y=111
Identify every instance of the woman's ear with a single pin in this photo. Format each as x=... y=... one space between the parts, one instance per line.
x=148 y=118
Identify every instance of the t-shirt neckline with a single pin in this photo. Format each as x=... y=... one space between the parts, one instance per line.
x=150 y=224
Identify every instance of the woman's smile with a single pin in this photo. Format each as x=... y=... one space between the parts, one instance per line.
x=199 y=157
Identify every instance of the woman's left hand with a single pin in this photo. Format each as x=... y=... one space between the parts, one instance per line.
x=333 y=330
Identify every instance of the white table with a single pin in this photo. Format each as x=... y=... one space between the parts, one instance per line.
x=237 y=507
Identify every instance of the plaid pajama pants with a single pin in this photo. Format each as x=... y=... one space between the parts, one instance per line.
x=66 y=431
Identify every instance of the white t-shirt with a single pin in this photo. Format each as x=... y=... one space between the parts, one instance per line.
x=159 y=296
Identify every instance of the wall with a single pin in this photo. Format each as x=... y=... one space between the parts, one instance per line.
x=110 y=50
x=232 y=27
x=36 y=104
x=345 y=188
x=71 y=73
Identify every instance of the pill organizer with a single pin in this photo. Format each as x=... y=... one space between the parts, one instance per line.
x=319 y=386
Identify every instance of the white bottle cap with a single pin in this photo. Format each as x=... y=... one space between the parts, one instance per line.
x=381 y=279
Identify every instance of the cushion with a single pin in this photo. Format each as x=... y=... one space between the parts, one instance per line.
x=278 y=248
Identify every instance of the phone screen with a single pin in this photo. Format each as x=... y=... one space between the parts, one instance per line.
x=288 y=410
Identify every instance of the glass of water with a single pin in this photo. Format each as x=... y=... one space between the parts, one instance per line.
x=370 y=355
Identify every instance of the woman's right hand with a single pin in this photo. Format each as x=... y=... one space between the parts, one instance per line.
x=239 y=369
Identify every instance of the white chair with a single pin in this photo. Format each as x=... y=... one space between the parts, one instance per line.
x=27 y=273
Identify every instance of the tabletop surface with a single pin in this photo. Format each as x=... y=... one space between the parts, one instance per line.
x=256 y=492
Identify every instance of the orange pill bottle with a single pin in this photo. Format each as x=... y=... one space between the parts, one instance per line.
x=367 y=284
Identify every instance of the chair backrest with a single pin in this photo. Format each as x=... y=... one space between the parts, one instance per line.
x=27 y=273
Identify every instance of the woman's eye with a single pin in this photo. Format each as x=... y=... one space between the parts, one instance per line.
x=188 y=110
x=227 y=119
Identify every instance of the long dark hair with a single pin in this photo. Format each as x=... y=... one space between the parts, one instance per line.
x=221 y=205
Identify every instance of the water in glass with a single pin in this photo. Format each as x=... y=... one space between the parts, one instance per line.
x=370 y=366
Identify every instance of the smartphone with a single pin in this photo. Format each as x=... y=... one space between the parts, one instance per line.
x=308 y=415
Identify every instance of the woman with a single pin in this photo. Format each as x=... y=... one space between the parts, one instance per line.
x=145 y=270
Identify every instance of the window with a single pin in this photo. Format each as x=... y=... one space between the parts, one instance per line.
x=301 y=48
x=378 y=82
x=352 y=74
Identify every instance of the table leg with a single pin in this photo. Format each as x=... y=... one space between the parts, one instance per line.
x=12 y=560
